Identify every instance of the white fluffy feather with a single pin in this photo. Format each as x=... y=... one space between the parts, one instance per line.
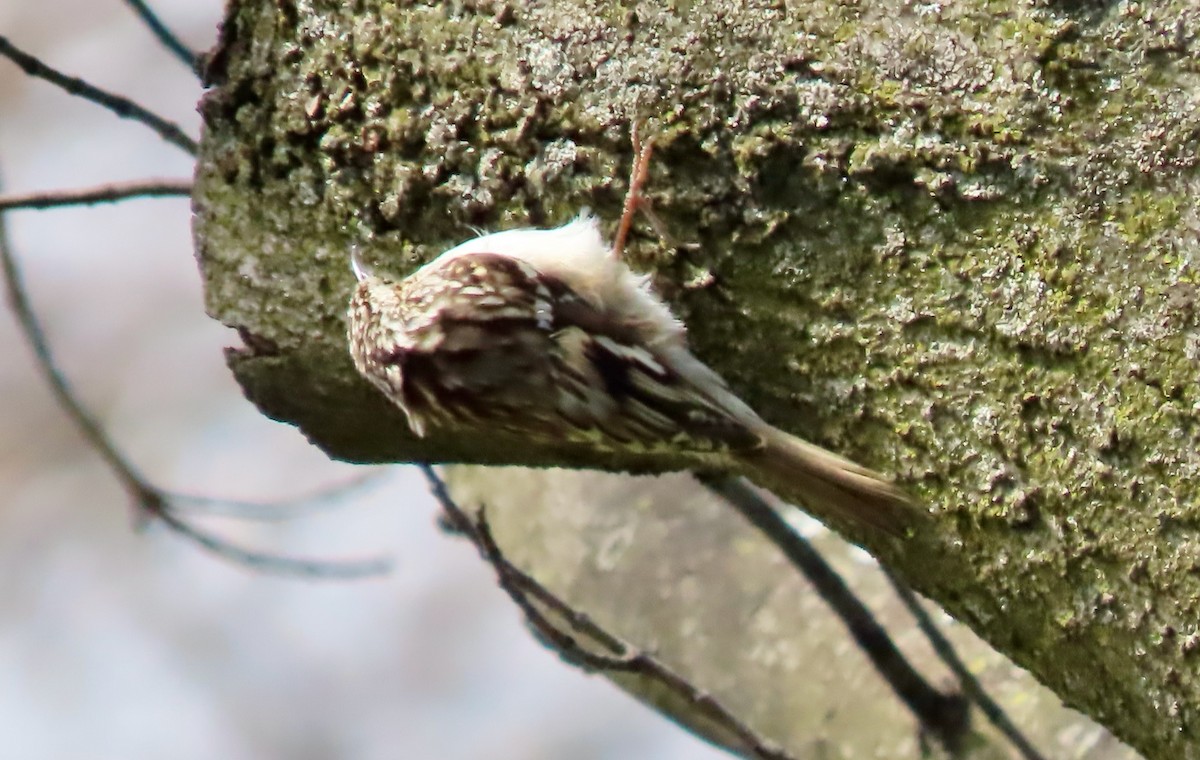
x=578 y=256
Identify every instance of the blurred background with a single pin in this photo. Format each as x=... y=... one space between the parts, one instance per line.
x=120 y=644
x=115 y=644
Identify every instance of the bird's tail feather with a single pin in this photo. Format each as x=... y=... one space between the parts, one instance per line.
x=827 y=485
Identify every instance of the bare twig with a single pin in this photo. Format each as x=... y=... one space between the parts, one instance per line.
x=967 y=680
x=160 y=507
x=320 y=500
x=121 y=106
x=945 y=716
x=164 y=35
x=116 y=191
x=642 y=151
x=147 y=498
x=523 y=589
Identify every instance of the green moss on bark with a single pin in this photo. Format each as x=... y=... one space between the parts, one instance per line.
x=954 y=241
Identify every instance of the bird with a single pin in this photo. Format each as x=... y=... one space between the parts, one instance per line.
x=548 y=334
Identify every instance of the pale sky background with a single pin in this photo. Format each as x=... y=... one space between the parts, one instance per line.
x=116 y=644
x=122 y=645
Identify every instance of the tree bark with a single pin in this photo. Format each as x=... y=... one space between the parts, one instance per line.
x=954 y=242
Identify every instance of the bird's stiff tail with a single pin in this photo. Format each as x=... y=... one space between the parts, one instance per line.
x=825 y=484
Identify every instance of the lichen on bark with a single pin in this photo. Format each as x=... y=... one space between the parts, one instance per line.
x=956 y=242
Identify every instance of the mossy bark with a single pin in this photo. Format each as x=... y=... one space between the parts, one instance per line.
x=956 y=242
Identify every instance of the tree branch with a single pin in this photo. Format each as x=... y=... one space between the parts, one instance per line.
x=961 y=258
x=109 y=193
x=966 y=679
x=148 y=498
x=523 y=589
x=946 y=716
x=165 y=36
x=121 y=106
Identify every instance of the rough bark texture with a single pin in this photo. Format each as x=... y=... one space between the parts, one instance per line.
x=955 y=242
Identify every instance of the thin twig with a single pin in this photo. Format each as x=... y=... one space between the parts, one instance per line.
x=109 y=193
x=165 y=35
x=316 y=501
x=267 y=562
x=145 y=496
x=642 y=151
x=946 y=716
x=966 y=679
x=121 y=106
x=31 y=327
x=624 y=658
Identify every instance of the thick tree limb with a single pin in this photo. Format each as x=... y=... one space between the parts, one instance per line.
x=963 y=257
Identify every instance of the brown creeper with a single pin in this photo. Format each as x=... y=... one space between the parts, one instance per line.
x=548 y=334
